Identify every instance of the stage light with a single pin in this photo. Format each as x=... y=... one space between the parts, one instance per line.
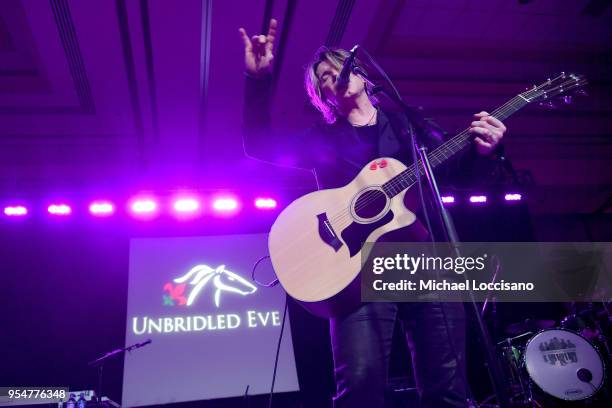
x=15 y=211
x=60 y=209
x=186 y=205
x=513 y=197
x=101 y=208
x=265 y=203
x=143 y=207
x=448 y=199
x=225 y=204
x=478 y=199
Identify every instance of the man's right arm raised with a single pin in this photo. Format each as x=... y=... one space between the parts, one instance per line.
x=260 y=140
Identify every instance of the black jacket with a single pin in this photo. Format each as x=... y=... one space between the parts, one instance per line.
x=337 y=152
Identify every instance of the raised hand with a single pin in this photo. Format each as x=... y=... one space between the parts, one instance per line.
x=258 y=51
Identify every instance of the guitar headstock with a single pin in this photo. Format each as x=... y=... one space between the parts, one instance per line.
x=560 y=85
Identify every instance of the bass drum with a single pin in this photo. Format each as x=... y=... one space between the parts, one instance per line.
x=564 y=364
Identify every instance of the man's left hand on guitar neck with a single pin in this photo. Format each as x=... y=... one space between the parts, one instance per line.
x=488 y=130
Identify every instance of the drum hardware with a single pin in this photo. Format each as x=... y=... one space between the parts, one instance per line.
x=510 y=351
x=594 y=323
x=527 y=325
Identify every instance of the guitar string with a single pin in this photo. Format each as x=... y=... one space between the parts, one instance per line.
x=510 y=107
x=439 y=152
x=402 y=180
x=513 y=104
x=456 y=141
x=405 y=178
x=398 y=182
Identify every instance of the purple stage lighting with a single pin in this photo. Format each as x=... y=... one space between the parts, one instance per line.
x=15 y=211
x=143 y=207
x=59 y=209
x=477 y=199
x=265 y=203
x=448 y=199
x=225 y=204
x=101 y=208
x=186 y=205
x=513 y=197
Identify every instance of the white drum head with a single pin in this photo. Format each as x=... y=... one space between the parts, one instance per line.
x=556 y=359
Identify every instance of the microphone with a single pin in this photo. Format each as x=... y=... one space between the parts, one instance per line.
x=347 y=67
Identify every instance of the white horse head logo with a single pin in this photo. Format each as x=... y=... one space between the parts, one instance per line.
x=223 y=279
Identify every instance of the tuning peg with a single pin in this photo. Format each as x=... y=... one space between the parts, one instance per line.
x=548 y=105
x=581 y=92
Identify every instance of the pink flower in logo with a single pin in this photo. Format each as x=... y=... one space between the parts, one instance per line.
x=175 y=294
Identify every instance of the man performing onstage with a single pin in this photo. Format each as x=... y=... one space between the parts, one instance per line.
x=356 y=131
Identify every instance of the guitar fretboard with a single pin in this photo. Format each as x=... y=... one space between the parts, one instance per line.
x=447 y=150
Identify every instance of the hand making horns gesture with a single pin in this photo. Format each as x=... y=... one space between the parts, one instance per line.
x=258 y=49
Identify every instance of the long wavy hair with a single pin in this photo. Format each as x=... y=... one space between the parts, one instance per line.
x=335 y=57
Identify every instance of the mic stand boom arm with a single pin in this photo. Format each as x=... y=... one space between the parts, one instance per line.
x=99 y=362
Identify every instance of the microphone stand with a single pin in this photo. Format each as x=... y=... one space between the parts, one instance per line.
x=416 y=120
x=99 y=362
x=486 y=302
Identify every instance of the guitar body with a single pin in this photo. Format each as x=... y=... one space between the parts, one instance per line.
x=316 y=242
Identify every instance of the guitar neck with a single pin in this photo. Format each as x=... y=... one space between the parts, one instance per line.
x=448 y=149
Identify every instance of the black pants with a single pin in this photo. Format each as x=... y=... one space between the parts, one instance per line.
x=361 y=344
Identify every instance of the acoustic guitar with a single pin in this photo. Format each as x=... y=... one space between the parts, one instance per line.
x=316 y=242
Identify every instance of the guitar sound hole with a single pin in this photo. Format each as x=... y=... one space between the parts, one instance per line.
x=370 y=204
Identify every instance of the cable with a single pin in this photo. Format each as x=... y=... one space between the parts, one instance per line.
x=381 y=72
x=280 y=337
x=270 y=284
